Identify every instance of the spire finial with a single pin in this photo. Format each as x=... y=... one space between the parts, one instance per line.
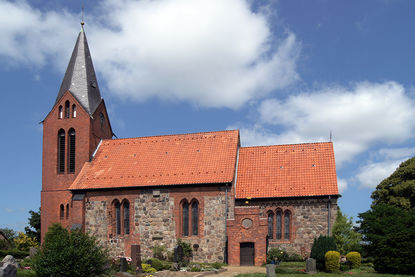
x=82 y=16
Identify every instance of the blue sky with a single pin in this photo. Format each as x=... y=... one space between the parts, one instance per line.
x=280 y=71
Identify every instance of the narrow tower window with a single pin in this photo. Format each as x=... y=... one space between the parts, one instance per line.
x=73 y=110
x=270 y=225
x=118 y=218
x=126 y=208
x=67 y=211
x=185 y=218
x=279 y=225
x=71 y=151
x=60 y=115
x=62 y=211
x=67 y=109
x=287 y=217
x=61 y=151
x=195 y=218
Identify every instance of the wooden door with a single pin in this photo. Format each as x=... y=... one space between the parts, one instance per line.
x=247 y=250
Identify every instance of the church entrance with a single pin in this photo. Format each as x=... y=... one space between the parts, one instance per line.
x=247 y=250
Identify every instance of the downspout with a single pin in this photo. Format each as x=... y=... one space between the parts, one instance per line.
x=329 y=215
x=225 y=257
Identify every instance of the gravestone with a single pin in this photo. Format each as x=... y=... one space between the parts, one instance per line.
x=123 y=264
x=270 y=270
x=310 y=265
x=178 y=254
x=136 y=257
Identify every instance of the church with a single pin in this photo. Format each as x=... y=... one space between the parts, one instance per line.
x=231 y=203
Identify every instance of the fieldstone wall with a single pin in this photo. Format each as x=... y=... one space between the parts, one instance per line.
x=153 y=218
x=96 y=224
x=309 y=220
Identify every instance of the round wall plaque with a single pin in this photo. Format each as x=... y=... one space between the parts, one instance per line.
x=247 y=223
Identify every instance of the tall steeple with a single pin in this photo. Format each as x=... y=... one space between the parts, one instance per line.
x=80 y=78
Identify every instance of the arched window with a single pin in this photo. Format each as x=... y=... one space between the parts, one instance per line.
x=185 y=219
x=195 y=218
x=60 y=115
x=61 y=151
x=73 y=110
x=270 y=225
x=279 y=225
x=287 y=218
x=71 y=151
x=101 y=119
x=126 y=214
x=62 y=211
x=117 y=206
x=67 y=211
x=67 y=109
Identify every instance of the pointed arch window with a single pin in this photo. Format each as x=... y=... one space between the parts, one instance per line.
x=73 y=110
x=185 y=219
x=62 y=211
x=67 y=211
x=279 y=225
x=117 y=218
x=287 y=219
x=71 y=151
x=60 y=113
x=270 y=225
x=126 y=214
x=195 y=218
x=67 y=109
x=61 y=151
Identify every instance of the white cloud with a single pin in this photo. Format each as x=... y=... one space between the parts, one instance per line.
x=210 y=53
x=342 y=184
x=359 y=117
x=372 y=174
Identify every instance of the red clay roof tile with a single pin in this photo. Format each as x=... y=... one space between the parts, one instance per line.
x=286 y=171
x=162 y=160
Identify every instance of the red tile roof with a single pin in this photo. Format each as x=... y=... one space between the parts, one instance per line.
x=162 y=160
x=286 y=171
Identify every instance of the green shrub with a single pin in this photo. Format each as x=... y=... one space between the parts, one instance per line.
x=187 y=252
x=354 y=258
x=24 y=242
x=17 y=254
x=147 y=268
x=156 y=263
x=159 y=252
x=321 y=245
x=332 y=261
x=217 y=265
x=69 y=254
x=195 y=269
x=277 y=254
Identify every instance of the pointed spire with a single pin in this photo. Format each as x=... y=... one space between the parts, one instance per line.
x=80 y=78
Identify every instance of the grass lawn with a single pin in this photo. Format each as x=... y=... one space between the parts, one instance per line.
x=296 y=269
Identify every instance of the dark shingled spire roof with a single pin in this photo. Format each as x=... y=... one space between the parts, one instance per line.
x=80 y=77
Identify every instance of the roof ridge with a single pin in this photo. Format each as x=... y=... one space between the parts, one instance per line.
x=171 y=135
x=289 y=144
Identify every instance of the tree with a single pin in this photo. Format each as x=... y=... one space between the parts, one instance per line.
x=321 y=245
x=70 y=254
x=347 y=239
x=388 y=228
x=9 y=233
x=33 y=230
x=399 y=188
x=24 y=242
x=390 y=235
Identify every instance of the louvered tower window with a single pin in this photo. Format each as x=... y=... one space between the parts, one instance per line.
x=73 y=110
x=195 y=218
x=279 y=225
x=185 y=219
x=61 y=151
x=126 y=208
x=67 y=211
x=60 y=115
x=62 y=211
x=71 y=151
x=67 y=109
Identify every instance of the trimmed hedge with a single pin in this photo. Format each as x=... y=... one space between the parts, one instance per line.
x=354 y=258
x=332 y=259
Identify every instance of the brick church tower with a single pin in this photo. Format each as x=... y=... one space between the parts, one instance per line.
x=72 y=132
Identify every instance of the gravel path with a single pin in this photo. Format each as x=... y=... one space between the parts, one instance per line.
x=230 y=271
